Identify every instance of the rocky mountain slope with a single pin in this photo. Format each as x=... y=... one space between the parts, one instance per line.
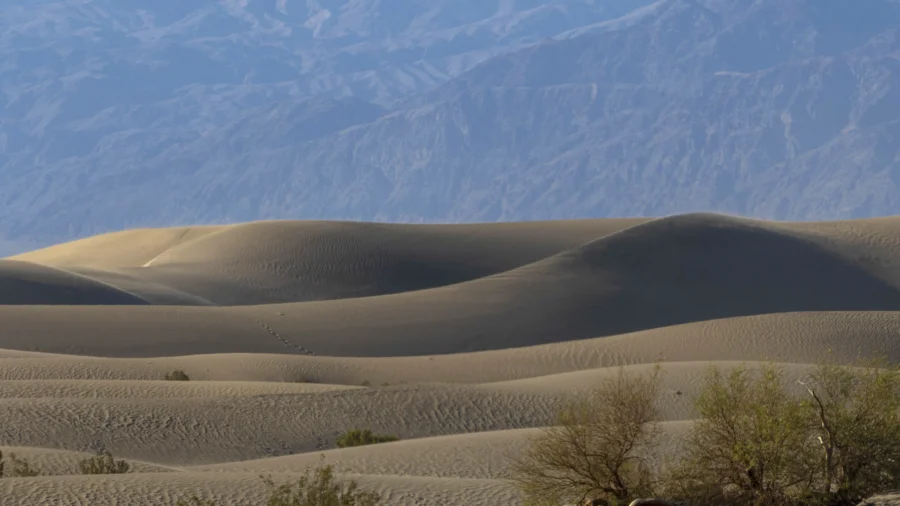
x=119 y=115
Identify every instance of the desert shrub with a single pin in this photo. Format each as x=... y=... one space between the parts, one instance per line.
x=756 y=442
x=361 y=437
x=177 y=375
x=752 y=444
x=319 y=487
x=21 y=468
x=196 y=501
x=857 y=428
x=598 y=450
x=102 y=463
x=16 y=468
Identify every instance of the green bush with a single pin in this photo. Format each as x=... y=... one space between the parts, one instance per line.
x=195 y=501
x=103 y=463
x=177 y=375
x=757 y=444
x=752 y=444
x=833 y=442
x=361 y=437
x=857 y=427
x=598 y=449
x=317 y=487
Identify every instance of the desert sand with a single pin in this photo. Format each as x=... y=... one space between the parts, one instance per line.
x=462 y=340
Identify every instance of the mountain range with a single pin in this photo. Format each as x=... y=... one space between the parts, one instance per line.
x=137 y=113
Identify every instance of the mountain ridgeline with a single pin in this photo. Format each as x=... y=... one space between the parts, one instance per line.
x=146 y=114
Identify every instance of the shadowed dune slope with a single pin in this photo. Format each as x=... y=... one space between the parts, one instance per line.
x=28 y=283
x=289 y=261
x=665 y=272
x=786 y=337
x=122 y=331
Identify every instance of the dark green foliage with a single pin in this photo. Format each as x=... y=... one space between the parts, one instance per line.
x=361 y=437
x=103 y=463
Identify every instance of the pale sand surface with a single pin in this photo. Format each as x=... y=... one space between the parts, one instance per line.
x=239 y=489
x=469 y=338
x=788 y=337
x=53 y=462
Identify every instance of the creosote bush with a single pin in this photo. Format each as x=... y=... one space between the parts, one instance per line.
x=15 y=467
x=752 y=444
x=361 y=437
x=177 y=375
x=833 y=440
x=599 y=448
x=196 y=501
x=103 y=463
x=318 y=487
x=858 y=430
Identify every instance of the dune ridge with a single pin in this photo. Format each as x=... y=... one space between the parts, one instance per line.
x=295 y=261
x=658 y=273
x=463 y=340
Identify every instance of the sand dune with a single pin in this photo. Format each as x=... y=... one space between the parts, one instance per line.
x=185 y=425
x=128 y=248
x=289 y=261
x=664 y=272
x=239 y=489
x=462 y=340
x=52 y=462
x=28 y=283
x=787 y=337
x=480 y=455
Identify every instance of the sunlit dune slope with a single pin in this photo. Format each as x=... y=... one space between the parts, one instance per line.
x=289 y=261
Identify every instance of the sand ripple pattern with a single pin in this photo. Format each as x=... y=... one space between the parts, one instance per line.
x=463 y=340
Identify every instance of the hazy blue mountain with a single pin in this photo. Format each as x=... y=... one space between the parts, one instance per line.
x=128 y=113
